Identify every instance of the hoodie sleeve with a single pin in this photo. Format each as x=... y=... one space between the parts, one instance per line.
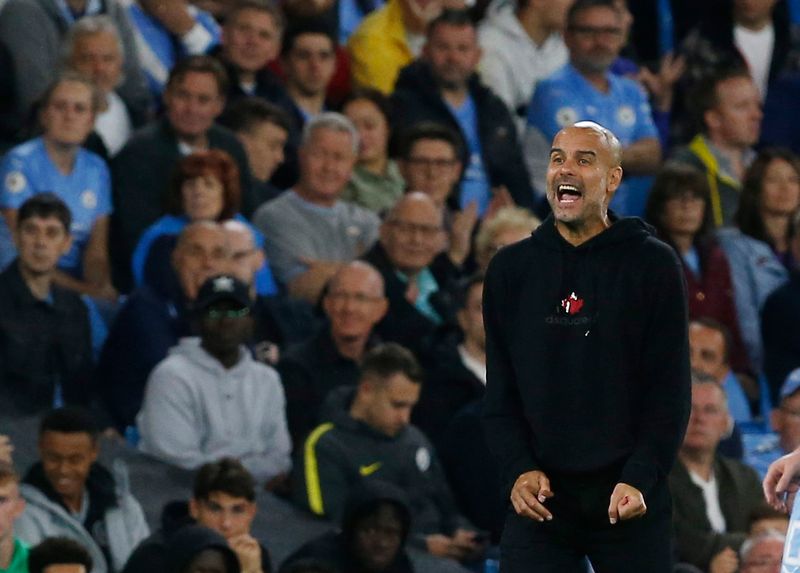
x=321 y=481
x=507 y=433
x=275 y=458
x=168 y=422
x=666 y=377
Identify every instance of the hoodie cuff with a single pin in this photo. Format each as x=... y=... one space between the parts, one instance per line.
x=641 y=476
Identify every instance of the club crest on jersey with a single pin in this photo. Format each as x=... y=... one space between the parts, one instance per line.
x=423 y=459
x=626 y=116
x=572 y=304
x=15 y=182
x=566 y=116
x=89 y=199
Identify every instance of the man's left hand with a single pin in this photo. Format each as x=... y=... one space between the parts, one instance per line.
x=627 y=502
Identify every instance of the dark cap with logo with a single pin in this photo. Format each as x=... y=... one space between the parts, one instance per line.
x=222 y=287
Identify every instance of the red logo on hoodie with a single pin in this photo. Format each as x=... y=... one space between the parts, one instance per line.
x=572 y=304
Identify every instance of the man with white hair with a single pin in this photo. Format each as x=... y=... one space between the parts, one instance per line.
x=309 y=233
x=762 y=553
x=93 y=47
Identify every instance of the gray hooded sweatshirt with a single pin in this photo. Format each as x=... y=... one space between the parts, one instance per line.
x=196 y=411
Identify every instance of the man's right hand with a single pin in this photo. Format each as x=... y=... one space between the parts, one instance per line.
x=783 y=477
x=529 y=493
x=248 y=551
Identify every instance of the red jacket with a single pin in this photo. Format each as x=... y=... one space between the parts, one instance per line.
x=711 y=296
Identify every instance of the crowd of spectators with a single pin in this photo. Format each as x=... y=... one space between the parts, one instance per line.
x=247 y=238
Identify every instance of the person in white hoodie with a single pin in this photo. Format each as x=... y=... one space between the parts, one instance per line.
x=521 y=44
x=209 y=398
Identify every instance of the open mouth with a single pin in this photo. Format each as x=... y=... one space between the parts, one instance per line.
x=566 y=193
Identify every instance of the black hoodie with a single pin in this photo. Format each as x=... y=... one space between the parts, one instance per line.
x=587 y=355
x=334 y=548
x=190 y=541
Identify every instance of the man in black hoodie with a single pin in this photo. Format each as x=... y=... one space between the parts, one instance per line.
x=375 y=524
x=588 y=374
x=198 y=549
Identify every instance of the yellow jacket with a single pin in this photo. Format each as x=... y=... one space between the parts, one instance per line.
x=379 y=50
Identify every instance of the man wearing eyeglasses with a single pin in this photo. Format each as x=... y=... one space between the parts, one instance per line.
x=585 y=89
x=209 y=398
x=354 y=302
x=419 y=276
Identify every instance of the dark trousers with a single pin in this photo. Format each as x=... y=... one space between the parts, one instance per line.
x=580 y=529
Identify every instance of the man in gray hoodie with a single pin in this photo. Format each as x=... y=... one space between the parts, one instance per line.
x=68 y=494
x=209 y=398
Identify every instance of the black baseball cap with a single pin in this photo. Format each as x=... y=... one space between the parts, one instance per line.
x=222 y=287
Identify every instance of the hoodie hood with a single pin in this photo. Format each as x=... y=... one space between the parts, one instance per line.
x=187 y=543
x=190 y=348
x=501 y=15
x=621 y=230
x=365 y=498
x=100 y=485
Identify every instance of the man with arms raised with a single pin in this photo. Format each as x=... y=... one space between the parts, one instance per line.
x=588 y=374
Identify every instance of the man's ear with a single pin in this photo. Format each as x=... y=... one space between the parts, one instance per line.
x=615 y=178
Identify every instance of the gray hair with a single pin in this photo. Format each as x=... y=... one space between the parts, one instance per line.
x=332 y=121
x=703 y=379
x=89 y=26
x=751 y=542
x=611 y=140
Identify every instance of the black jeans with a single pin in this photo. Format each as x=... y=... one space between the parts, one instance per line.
x=580 y=529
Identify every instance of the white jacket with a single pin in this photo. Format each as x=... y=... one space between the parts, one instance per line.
x=512 y=64
x=125 y=525
x=196 y=411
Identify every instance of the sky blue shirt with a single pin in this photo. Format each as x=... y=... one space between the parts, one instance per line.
x=475 y=185
x=27 y=170
x=566 y=97
x=426 y=286
x=350 y=16
x=159 y=50
x=173 y=225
